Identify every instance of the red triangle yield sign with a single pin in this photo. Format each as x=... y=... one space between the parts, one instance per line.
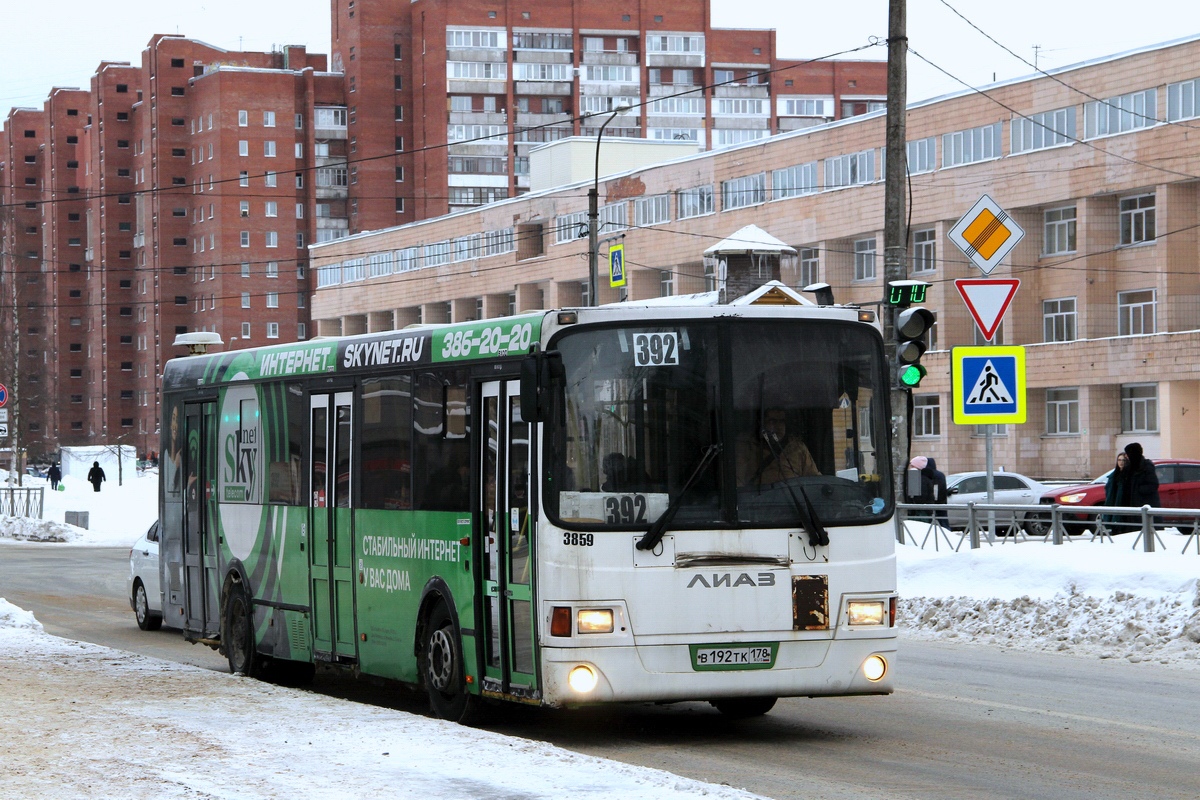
x=987 y=299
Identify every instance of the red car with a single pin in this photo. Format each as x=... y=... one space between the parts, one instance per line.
x=1178 y=487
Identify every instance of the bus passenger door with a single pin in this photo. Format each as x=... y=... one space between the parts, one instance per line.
x=510 y=645
x=200 y=551
x=331 y=558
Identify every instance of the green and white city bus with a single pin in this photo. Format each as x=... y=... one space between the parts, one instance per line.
x=624 y=503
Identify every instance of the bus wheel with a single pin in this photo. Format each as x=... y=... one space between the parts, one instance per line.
x=239 y=635
x=147 y=620
x=744 y=707
x=442 y=669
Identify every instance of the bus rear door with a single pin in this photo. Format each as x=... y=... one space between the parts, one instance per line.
x=200 y=547
x=510 y=648
x=331 y=565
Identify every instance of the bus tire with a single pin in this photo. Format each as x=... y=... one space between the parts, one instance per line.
x=147 y=620
x=238 y=637
x=743 y=707
x=442 y=669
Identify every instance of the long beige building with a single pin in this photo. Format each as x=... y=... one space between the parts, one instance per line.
x=1099 y=163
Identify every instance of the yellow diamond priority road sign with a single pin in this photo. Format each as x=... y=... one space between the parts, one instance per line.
x=986 y=234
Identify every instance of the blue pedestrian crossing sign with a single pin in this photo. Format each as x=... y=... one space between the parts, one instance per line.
x=616 y=265
x=988 y=385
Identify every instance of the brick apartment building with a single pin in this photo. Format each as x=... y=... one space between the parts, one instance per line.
x=174 y=196
x=460 y=91
x=180 y=193
x=1097 y=164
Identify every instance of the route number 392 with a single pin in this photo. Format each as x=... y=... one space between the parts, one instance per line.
x=655 y=349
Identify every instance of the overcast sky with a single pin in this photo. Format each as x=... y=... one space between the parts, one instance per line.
x=60 y=42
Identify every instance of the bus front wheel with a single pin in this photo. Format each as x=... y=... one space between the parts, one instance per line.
x=238 y=638
x=743 y=707
x=442 y=669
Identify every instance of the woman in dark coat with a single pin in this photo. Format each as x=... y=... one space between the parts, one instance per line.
x=1116 y=493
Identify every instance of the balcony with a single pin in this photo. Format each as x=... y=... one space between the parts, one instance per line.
x=756 y=91
x=479 y=118
x=477 y=86
x=544 y=88
x=675 y=60
x=610 y=58
x=528 y=120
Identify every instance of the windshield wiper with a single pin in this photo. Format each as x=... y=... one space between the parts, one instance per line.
x=817 y=535
x=659 y=528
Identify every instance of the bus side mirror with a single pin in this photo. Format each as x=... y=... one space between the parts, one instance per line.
x=538 y=372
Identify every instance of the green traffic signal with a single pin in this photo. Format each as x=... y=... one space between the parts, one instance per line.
x=911 y=375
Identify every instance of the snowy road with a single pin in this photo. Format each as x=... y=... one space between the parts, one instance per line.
x=967 y=720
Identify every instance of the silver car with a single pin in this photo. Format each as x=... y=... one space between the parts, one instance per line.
x=143 y=588
x=1009 y=489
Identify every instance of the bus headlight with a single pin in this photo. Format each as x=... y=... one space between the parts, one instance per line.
x=865 y=612
x=874 y=668
x=582 y=679
x=594 y=620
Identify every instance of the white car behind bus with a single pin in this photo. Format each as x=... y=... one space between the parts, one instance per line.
x=143 y=587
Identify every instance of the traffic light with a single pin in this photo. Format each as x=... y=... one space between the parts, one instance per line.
x=912 y=323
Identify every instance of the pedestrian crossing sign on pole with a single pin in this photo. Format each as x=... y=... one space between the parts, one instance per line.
x=616 y=265
x=988 y=385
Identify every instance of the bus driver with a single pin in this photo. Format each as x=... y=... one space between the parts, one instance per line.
x=757 y=462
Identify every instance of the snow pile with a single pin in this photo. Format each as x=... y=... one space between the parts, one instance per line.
x=117 y=515
x=12 y=617
x=1097 y=599
x=24 y=529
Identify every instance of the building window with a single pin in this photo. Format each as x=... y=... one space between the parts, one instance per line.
x=971 y=145
x=794 y=181
x=1181 y=100
x=1126 y=112
x=1137 y=312
x=748 y=190
x=924 y=258
x=927 y=415
x=864 y=260
x=272 y=238
x=810 y=266
x=694 y=202
x=272 y=330
x=245 y=299
x=245 y=330
x=666 y=283
x=1058 y=320
x=301 y=331
x=271 y=209
x=1062 y=412
x=269 y=148
x=1139 y=408
x=243 y=147
x=1058 y=231
x=922 y=155
x=850 y=170
x=272 y=269
x=243 y=178
x=245 y=238
x=1137 y=219
x=652 y=210
x=245 y=269
x=268 y=119
x=1039 y=131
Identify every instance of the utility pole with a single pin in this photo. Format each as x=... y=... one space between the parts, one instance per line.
x=895 y=245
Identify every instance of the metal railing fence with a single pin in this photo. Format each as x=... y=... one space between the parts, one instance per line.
x=987 y=523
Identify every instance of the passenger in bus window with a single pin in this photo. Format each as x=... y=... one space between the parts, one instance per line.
x=757 y=464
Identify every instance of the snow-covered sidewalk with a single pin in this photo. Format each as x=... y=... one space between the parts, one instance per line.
x=79 y=720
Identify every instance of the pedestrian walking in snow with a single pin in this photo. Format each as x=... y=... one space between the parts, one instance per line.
x=96 y=476
x=55 y=475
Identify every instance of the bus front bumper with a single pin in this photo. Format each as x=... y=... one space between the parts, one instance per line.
x=802 y=669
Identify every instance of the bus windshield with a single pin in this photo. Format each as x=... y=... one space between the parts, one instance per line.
x=797 y=407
